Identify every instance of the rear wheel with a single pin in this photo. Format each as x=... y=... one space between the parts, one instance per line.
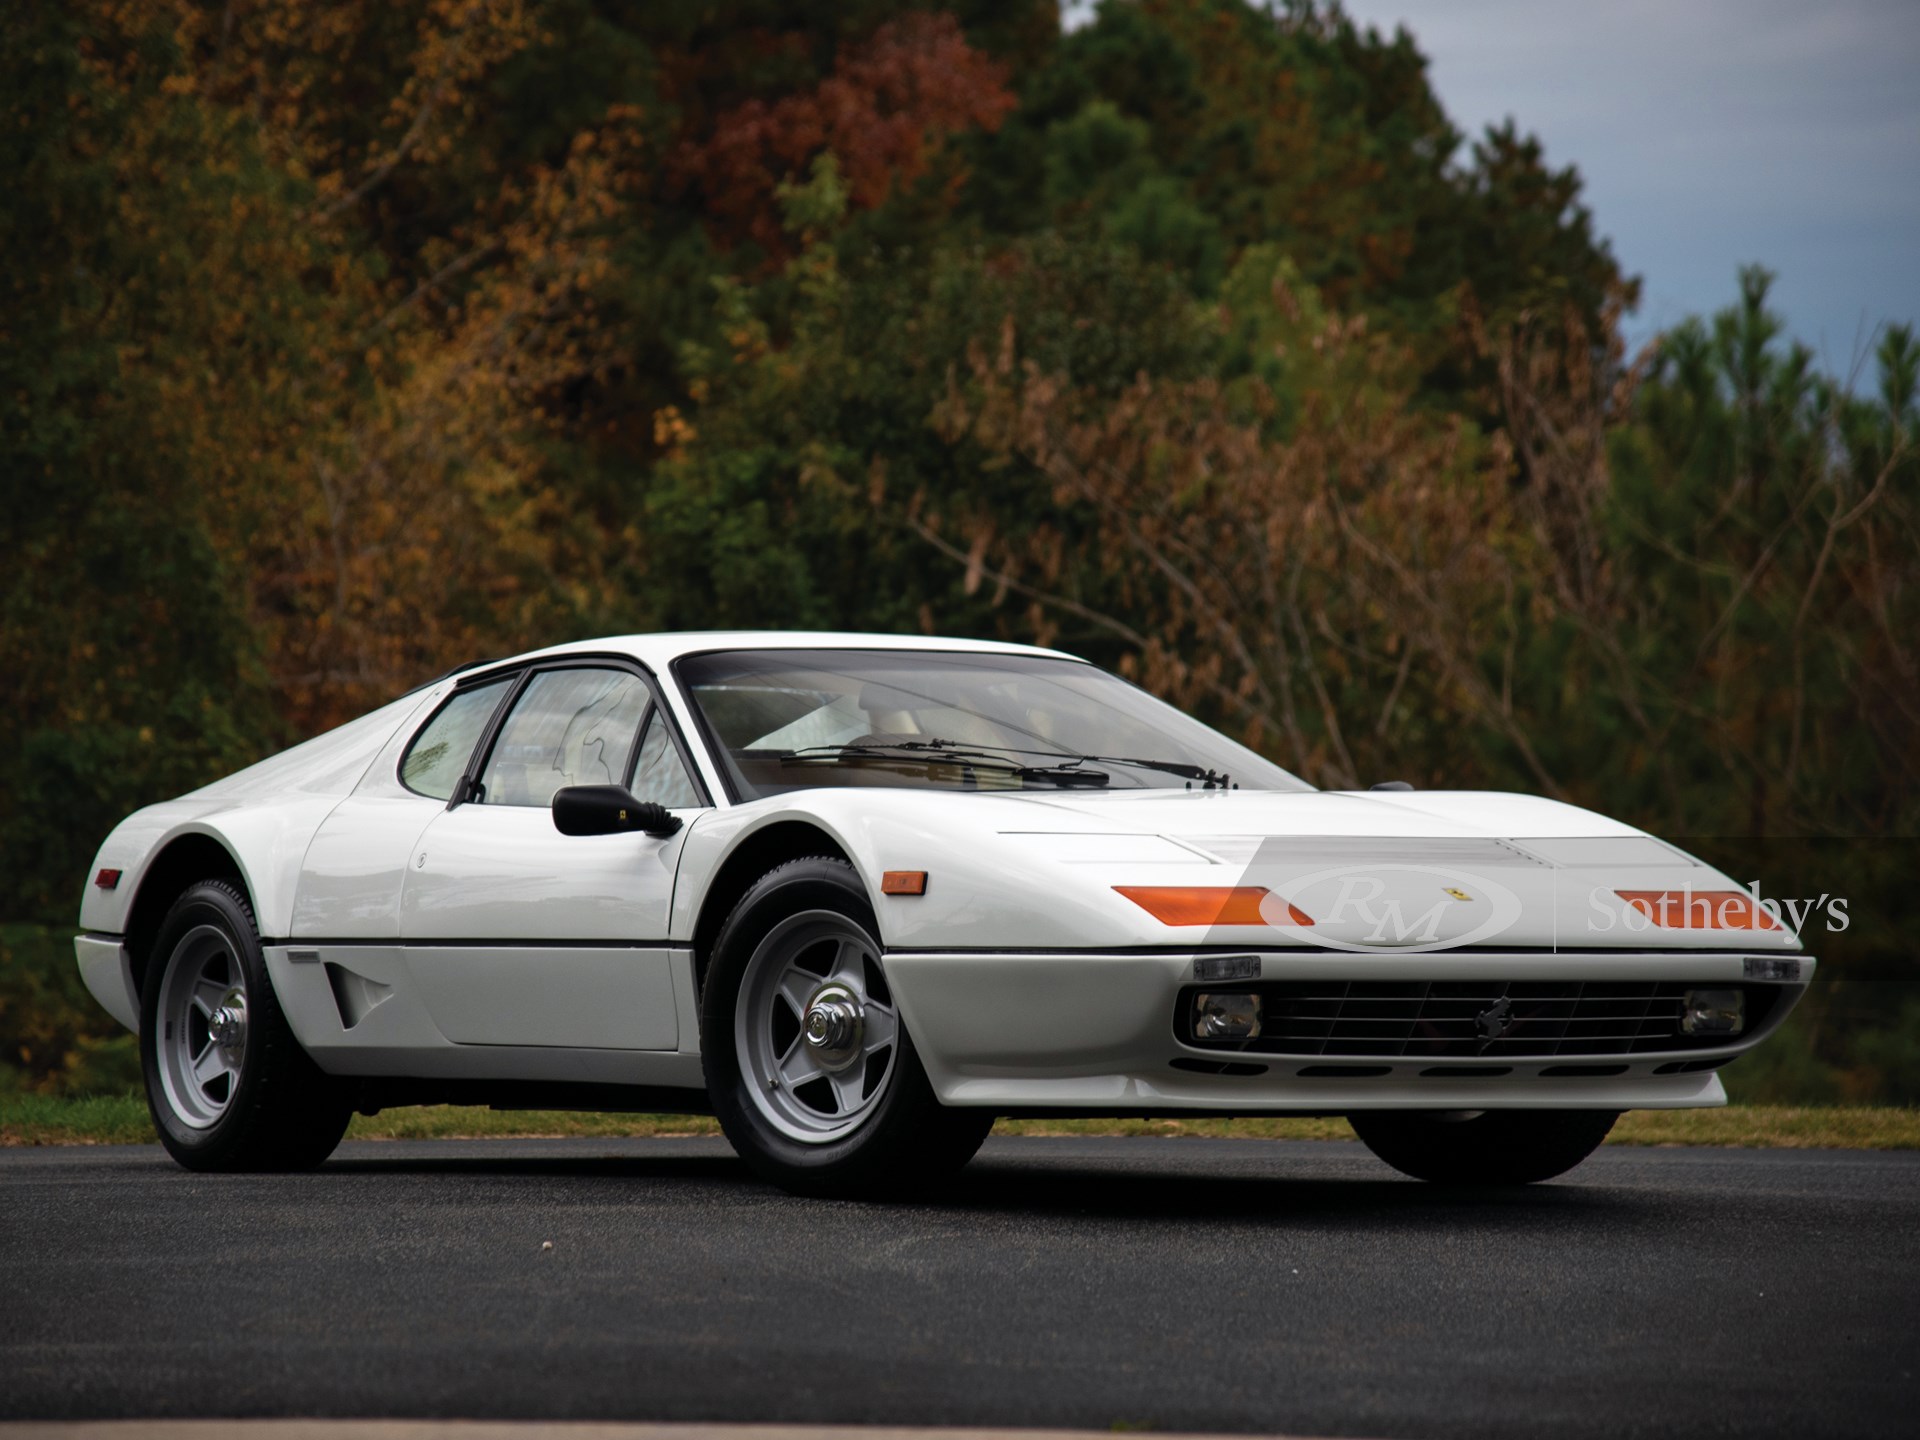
x=1483 y=1147
x=809 y=1065
x=228 y=1085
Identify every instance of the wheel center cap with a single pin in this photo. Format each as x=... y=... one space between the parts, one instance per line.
x=832 y=1026
x=228 y=1024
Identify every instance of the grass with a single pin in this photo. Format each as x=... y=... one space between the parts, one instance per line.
x=82 y=1120
x=122 y=1120
x=1787 y=1127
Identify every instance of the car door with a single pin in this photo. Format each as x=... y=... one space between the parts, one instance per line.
x=354 y=868
x=519 y=935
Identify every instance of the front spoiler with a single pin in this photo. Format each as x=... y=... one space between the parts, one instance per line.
x=1091 y=1032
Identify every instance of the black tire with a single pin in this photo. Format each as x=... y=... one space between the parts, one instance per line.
x=1488 y=1147
x=275 y=1110
x=906 y=1143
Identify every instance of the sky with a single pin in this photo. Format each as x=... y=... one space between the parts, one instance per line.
x=1710 y=134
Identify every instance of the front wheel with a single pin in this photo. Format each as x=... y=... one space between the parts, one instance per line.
x=227 y=1083
x=1483 y=1147
x=810 y=1068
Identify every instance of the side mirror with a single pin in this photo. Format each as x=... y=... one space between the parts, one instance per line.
x=609 y=810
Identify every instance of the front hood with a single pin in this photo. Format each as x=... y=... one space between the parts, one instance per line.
x=1410 y=814
x=1372 y=871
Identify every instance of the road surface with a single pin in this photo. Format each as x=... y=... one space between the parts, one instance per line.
x=1176 y=1284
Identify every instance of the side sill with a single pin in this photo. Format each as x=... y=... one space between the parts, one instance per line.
x=373 y=1095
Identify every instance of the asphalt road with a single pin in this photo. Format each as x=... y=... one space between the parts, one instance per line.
x=1173 y=1284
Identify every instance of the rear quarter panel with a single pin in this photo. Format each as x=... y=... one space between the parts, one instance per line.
x=265 y=817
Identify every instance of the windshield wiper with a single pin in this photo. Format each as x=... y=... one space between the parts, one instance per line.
x=922 y=753
x=1210 y=779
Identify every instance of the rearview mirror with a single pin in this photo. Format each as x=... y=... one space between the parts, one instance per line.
x=609 y=810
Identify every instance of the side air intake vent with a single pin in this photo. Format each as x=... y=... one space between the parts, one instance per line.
x=355 y=996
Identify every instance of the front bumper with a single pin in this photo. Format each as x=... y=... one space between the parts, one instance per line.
x=1094 y=1033
x=107 y=972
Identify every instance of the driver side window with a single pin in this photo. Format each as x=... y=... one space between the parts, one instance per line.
x=569 y=727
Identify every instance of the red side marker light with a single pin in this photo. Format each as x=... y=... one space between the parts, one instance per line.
x=107 y=879
x=904 y=882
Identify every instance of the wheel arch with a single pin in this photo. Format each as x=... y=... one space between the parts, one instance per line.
x=754 y=855
x=183 y=861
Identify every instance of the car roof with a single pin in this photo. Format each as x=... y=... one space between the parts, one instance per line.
x=656 y=652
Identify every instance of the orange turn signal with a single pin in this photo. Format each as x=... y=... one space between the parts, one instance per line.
x=1207 y=904
x=1700 y=909
x=904 y=882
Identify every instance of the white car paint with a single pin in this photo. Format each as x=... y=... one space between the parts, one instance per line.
x=1008 y=870
x=1094 y=1032
x=1026 y=979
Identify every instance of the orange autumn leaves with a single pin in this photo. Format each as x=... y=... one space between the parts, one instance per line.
x=1307 y=577
x=363 y=420
x=883 y=112
x=379 y=313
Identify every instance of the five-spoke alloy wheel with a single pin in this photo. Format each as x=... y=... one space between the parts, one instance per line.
x=808 y=1061
x=227 y=1083
x=202 y=1041
x=816 y=1027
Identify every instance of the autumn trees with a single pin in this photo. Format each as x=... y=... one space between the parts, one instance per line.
x=270 y=457
x=343 y=342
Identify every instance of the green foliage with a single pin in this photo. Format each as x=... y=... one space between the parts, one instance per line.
x=1301 y=129
x=1102 y=177
x=1785 y=1070
x=1762 y=537
x=1886 y=1057
x=132 y=669
x=54 y=1037
x=781 y=504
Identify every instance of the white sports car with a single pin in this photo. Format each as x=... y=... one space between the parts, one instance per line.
x=859 y=894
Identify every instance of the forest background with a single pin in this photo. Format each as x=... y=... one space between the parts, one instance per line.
x=344 y=341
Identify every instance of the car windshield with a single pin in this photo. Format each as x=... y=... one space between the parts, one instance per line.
x=794 y=719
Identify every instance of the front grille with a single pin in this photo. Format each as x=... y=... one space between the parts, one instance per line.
x=1392 y=1019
